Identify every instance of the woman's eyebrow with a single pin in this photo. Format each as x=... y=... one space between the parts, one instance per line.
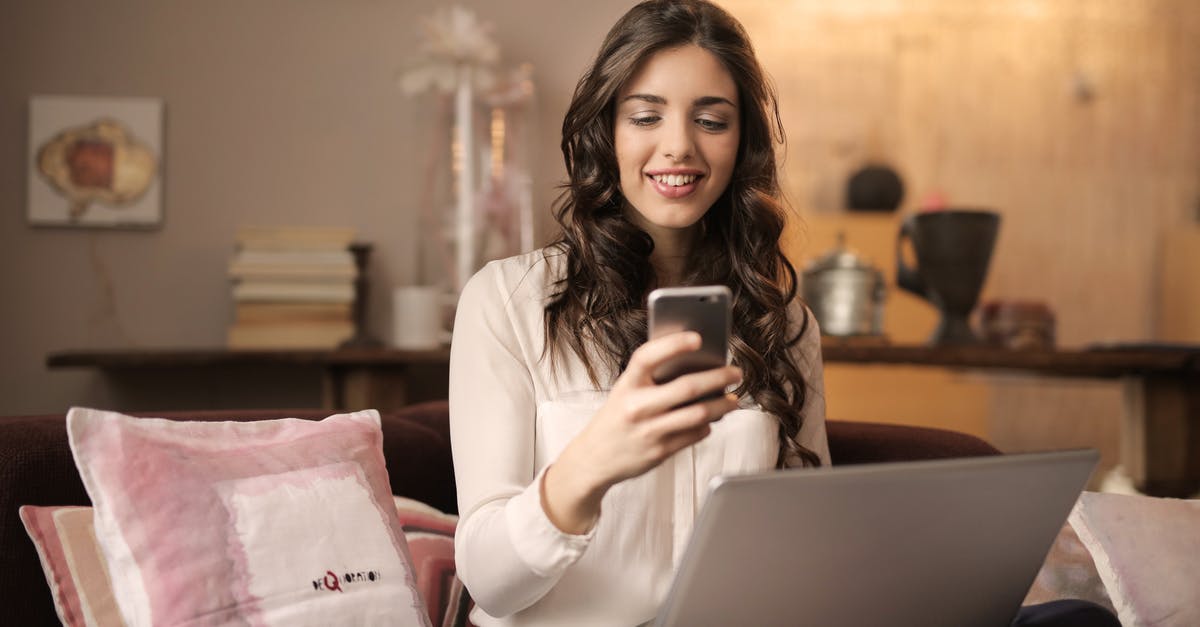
x=703 y=101
x=651 y=98
x=707 y=101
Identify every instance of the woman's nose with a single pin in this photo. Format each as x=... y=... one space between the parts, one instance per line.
x=677 y=142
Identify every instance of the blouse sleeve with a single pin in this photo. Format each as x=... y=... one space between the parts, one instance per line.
x=812 y=431
x=507 y=552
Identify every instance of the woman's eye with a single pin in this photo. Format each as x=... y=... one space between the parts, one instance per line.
x=712 y=125
x=645 y=120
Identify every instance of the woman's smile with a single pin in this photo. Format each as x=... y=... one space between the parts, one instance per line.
x=675 y=183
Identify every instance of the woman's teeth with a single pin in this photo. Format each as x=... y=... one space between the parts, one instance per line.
x=674 y=180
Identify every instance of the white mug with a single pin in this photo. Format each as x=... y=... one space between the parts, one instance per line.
x=417 y=317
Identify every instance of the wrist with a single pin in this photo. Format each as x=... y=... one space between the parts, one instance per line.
x=582 y=474
x=570 y=496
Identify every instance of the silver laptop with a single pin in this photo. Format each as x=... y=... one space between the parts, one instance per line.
x=950 y=542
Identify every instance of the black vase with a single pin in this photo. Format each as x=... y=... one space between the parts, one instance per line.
x=953 y=250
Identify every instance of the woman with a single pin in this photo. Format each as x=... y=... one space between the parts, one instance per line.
x=668 y=144
x=578 y=478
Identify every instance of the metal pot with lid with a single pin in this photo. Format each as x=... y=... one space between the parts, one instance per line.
x=845 y=292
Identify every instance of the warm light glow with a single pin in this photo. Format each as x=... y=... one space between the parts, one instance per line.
x=778 y=18
x=455 y=156
x=885 y=8
x=497 y=143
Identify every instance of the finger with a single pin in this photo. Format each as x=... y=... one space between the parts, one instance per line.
x=687 y=388
x=648 y=356
x=692 y=416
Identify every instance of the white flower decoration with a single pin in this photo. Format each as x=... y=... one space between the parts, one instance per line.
x=454 y=39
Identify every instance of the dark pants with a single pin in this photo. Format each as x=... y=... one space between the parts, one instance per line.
x=1065 y=613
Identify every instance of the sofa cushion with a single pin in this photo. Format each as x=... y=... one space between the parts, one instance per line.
x=868 y=442
x=430 y=535
x=281 y=521
x=1147 y=552
x=74 y=567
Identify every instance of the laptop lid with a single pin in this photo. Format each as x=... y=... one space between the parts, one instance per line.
x=946 y=542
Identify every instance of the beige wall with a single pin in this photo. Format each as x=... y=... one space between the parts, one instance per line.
x=277 y=112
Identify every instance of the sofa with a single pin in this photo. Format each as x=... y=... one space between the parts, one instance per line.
x=36 y=468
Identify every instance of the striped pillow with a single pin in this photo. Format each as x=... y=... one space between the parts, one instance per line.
x=73 y=564
x=430 y=535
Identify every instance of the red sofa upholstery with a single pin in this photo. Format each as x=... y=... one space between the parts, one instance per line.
x=36 y=468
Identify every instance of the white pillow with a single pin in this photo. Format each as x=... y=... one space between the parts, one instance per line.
x=277 y=522
x=1147 y=552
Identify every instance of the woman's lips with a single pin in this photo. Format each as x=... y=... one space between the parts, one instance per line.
x=671 y=191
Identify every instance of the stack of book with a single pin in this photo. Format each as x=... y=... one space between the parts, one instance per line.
x=293 y=287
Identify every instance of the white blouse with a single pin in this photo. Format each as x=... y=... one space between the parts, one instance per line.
x=511 y=414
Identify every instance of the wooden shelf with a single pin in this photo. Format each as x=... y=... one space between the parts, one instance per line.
x=185 y=357
x=1105 y=362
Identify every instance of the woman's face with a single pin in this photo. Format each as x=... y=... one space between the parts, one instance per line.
x=676 y=134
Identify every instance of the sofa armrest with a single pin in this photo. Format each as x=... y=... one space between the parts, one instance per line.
x=866 y=442
x=36 y=468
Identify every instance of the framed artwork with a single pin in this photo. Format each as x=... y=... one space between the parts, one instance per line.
x=95 y=162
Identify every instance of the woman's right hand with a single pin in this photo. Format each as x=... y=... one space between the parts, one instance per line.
x=640 y=425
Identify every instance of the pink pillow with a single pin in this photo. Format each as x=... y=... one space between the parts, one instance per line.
x=286 y=522
x=430 y=535
x=73 y=565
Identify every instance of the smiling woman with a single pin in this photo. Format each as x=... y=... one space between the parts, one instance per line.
x=669 y=145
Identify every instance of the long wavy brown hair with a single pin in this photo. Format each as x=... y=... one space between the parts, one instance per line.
x=598 y=310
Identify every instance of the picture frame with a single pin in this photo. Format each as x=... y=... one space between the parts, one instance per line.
x=95 y=162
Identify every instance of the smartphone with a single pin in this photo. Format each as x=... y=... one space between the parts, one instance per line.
x=703 y=309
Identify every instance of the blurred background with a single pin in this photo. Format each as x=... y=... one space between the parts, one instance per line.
x=1077 y=120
